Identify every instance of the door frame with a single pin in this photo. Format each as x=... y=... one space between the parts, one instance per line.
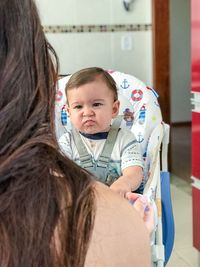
x=161 y=54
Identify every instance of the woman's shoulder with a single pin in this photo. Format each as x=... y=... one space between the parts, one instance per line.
x=119 y=237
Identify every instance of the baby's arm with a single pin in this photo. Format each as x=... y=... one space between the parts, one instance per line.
x=131 y=165
x=129 y=181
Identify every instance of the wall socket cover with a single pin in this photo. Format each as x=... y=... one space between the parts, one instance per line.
x=126 y=42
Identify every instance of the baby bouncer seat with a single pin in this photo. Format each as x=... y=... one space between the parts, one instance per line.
x=140 y=112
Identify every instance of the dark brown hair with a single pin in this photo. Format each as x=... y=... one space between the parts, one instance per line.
x=47 y=203
x=89 y=75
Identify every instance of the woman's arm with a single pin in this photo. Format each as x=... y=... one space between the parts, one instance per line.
x=119 y=236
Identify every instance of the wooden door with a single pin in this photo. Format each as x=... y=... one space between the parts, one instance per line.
x=161 y=54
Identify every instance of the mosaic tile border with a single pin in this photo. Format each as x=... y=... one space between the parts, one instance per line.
x=97 y=28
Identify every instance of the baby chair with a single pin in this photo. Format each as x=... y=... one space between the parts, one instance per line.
x=140 y=112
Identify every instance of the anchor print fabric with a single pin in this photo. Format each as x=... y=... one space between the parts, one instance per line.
x=139 y=107
x=141 y=102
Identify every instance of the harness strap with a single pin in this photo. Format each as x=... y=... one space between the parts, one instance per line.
x=104 y=158
x=85 y=157
x=117 y=121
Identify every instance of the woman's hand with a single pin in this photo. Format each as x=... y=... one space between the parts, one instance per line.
x=145 y=210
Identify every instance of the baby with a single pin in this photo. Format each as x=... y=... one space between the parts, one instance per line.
x=112 y=154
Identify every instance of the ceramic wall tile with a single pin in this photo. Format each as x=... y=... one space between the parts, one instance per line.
x=139 y=13
x=138 y=59
x=93 y=12
x=62 y=12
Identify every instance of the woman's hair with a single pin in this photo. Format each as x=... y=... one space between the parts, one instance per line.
x=89 y=75
x=47 y=203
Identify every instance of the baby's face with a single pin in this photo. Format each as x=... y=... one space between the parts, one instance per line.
x=91 y=107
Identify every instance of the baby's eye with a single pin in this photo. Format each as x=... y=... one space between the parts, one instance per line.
x=77 y=107
x=97 y=104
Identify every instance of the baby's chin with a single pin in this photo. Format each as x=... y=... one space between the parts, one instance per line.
x=90 y=131
x=93 y=129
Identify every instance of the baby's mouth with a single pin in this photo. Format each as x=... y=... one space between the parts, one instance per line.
x=89 y=122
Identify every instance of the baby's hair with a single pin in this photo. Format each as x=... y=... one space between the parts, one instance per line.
x=89 y=75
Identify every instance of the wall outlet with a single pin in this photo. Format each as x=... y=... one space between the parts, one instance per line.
x=126 y=42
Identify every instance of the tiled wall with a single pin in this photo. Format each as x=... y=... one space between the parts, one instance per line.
x=100 y=33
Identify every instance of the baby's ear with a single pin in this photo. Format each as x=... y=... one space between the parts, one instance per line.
x=116 y=106
x=68 y=109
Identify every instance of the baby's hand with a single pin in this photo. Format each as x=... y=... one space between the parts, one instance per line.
x=121 y=186
x=145 y=210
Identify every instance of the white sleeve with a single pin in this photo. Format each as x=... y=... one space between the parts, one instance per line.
x=131 y=155
x=65 y=145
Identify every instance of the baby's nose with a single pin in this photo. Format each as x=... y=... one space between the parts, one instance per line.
x=88 y=111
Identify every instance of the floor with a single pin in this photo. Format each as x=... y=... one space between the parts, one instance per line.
x=181 y=151
x=184 y=254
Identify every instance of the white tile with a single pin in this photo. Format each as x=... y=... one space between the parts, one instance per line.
x=184 y=254
x=190 y=255
x=182 y=239
x=138 y=60
x=62 y=12
x=76 y=12
x=177 y=261
x=64 y=45
x=80 y=50
x=140 y=12
x=93 y=12
x=93 y=49
x=182 y=207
